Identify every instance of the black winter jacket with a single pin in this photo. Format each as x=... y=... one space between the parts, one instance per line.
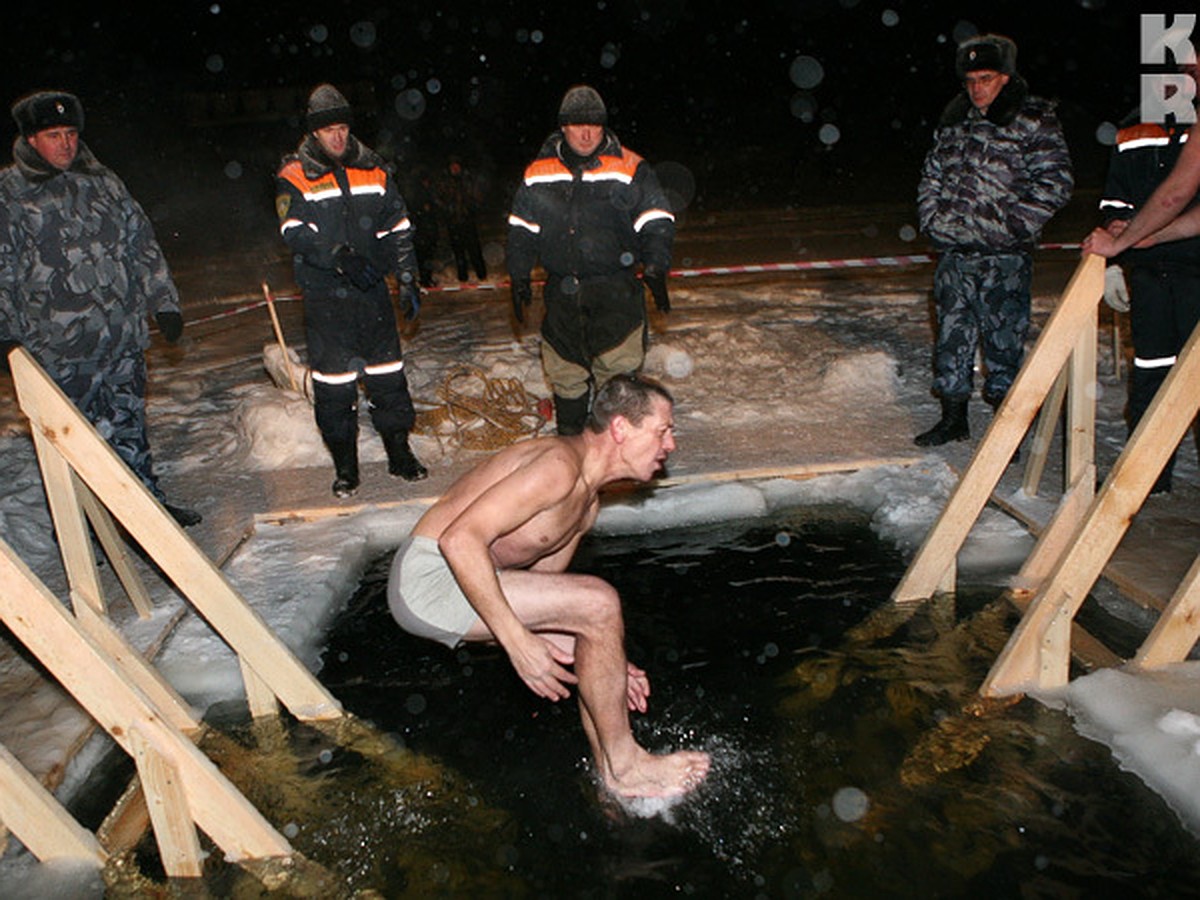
x=323 y=205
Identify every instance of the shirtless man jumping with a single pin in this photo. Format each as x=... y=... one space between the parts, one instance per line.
x=488 y=563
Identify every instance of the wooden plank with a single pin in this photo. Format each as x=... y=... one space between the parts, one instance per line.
x=116 y=551
x=170 y=705
x=126 y=822
x=259 y=697
x=73 y=542
x=1081 y=405
x=1012 y=420
x=1177 y=629
x=1043 y=435
x=1032 y=657
x=178 y=844
x=38 y=820
x=55 y=418
x=1056 y=536
x=796 y=472
x=41 y=623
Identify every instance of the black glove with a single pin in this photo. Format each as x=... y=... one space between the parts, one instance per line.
x=6 y=347
x=410 y=300
x=656 y=280
x=170 y=323
x=357 y=268
x=522 y=296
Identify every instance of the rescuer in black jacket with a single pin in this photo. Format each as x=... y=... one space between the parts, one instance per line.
x=1162 y=295
x=342 y=215
x=592 y=212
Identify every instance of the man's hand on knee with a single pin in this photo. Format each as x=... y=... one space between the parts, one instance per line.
x=541 y=665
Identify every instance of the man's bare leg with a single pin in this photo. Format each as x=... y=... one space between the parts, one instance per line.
x=590 y=609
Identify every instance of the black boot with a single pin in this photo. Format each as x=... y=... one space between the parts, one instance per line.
x=952 y=426
x=184 y=516
x=345 y=465
x=570 y=413
x=401 y=461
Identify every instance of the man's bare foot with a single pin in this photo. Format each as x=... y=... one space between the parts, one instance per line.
x=668 y=775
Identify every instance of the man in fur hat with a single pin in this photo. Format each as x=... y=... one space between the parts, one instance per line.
x=998 y=170
x=347 y=225
x=80 y=273
x=592 y=212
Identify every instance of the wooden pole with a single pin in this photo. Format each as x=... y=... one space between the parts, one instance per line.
x=287 y=359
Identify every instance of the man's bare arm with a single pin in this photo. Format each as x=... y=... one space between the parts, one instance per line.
x=1169 y=199
x=466 y=545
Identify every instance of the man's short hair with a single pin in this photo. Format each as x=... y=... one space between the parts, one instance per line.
x=631 y=396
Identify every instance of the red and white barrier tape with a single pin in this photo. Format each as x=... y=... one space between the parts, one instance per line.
x=861 y=262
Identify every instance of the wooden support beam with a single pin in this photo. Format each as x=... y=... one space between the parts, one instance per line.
x=69 y=525
x=1058 y=339
x=116 y=551
x=1056 y=536
x=1037 y=654
x=259 y=697
x=1043 y=435
x=1177 y=629
x=178 y=844
x=1080 y=437
x=41 y=623
x=46 y=829
x=65 y=439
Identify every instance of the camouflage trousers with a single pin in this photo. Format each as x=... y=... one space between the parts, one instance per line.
x=982 y=300
x=113 y=399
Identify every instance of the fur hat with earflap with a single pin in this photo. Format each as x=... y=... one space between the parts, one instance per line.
x=327 y=106
x=47 y=109
x=993 y=52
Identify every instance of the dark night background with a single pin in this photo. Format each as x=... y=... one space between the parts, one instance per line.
x=193 y=103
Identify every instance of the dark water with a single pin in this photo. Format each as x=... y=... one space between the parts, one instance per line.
x=852 y=758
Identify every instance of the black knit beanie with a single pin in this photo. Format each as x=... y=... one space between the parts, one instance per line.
x=47 y=109
x=327 y=106
x=581 y=105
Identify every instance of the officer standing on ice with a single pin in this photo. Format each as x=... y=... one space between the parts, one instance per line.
x=80 y=272
x=346 y=224
x=591 y=211
x=998 y=170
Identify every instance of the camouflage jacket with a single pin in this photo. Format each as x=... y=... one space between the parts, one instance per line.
x=991 y=182
x=80 y=269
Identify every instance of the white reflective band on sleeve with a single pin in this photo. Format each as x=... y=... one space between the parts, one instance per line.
x=322 y=195
x=1161 y=362
x=1115 y=204
x=521 y=223
x=385 y=368
x=367 y=189
x=651 y=215
x=402 y=225
x=548 y=179
x=326 y=378
x=1136 y=143
x=622 y=177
